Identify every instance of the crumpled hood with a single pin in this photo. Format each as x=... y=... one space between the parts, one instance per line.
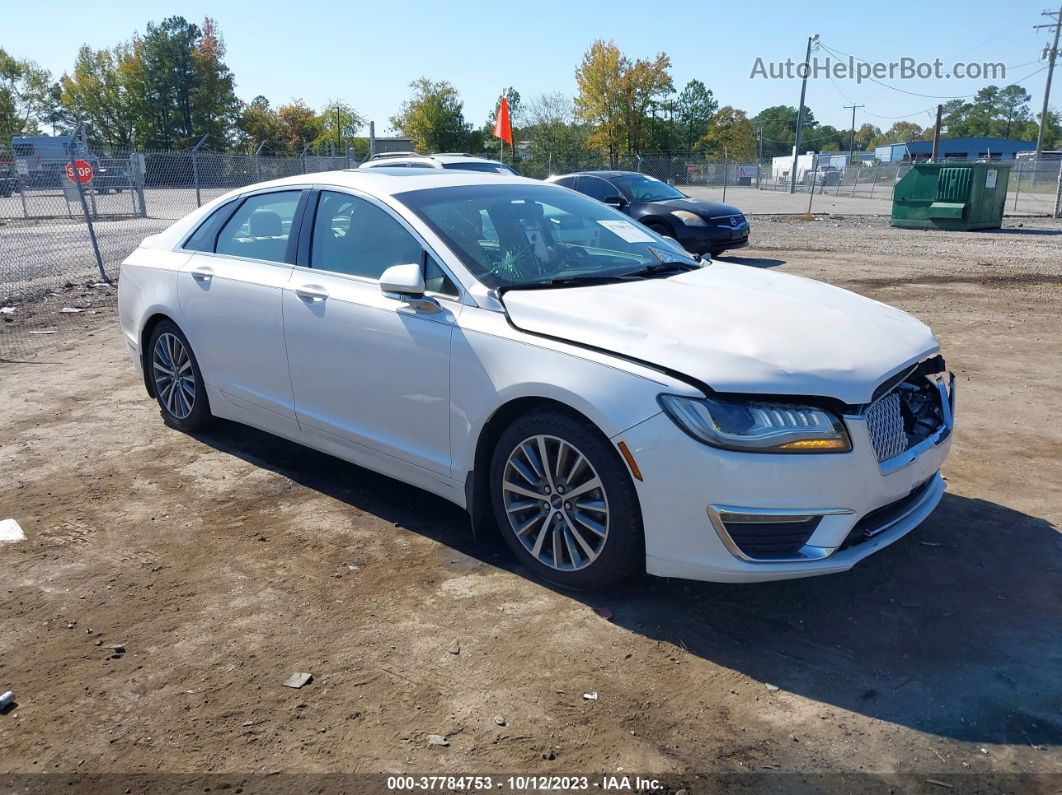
x=737 y=329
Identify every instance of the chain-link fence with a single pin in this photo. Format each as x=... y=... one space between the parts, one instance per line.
x=68 y=218
x=62 y=239
x=856 y=188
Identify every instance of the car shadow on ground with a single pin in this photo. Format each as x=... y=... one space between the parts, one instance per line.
x=1027 y=230
x=955 y=630
x=753 y=262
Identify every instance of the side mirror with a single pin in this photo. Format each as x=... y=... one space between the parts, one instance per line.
x=406 y=280
x=406 y=283
x=615 y=201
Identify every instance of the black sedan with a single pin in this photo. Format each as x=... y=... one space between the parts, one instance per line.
x=699 y=226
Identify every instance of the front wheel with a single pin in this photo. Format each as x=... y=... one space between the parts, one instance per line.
x=176 y=378
x=565 y=502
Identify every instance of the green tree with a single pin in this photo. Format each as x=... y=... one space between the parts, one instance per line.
x=434 y=117
x=550 y=125
x=1013 y=109
x=258 y=127
x=694 y=109
x=826 y=138
x=955 y=117
x=643 y=85
x=778 y=125
x=25 y=96
x=340 y=126
x=214 y=103
x=900 y=132
x=864 y=135
x=983 y=112
x=188 y=89
x=1028 y=130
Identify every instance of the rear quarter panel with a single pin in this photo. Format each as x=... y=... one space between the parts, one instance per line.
x=147 y=286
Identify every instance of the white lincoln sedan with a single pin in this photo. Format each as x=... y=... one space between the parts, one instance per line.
x=611 y=404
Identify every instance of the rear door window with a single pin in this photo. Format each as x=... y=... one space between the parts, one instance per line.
x=202 y=239
x=596 y=188
x=260 y=228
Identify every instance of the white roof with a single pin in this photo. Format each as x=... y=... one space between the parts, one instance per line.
x=389 y=181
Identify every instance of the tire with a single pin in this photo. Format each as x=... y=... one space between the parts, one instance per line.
x=186 y=409
x=660 y=229
x=571 y=550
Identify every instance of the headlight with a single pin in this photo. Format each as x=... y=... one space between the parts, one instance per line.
x=688 y=218
x=755 y=426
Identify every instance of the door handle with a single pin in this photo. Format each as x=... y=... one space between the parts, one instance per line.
x=203 y=274
x=311 y=293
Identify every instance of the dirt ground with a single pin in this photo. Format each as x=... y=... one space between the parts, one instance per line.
x=225 y=562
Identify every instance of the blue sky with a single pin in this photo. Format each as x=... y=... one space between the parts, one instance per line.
x=367 y=52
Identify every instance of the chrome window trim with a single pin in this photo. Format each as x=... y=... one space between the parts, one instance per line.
x=240 y=198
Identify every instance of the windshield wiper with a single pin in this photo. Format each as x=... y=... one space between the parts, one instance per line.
x=666 y=266
x=566 y=281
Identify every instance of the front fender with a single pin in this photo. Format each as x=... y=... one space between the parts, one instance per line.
x=493 y=367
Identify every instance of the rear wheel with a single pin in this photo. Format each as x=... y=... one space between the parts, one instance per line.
x=565 y=503
x=177 y=380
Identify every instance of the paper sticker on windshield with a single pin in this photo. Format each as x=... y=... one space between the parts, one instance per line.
x=627 y=231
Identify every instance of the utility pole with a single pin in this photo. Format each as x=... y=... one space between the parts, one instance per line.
x=936 y=135
x=1051 y=56
x=800 y=113
x=339 y=141
x=851 y=140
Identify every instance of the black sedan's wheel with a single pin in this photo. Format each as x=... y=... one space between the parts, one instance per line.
x=176 y=379
x=565 y=502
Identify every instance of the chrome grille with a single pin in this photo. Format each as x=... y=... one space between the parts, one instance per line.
x=885 y=425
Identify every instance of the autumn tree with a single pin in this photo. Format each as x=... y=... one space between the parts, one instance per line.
x=615 y=94
x=730 y=135
x=105 y=90
x=433 y=117
x=297 y=125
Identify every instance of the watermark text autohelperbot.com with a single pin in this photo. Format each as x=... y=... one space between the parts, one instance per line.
x=853 y=69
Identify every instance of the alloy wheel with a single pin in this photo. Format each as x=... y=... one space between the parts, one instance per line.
x=555 y=502
x=173 y=375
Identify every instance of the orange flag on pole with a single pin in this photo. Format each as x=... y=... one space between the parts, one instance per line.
x=502 y=127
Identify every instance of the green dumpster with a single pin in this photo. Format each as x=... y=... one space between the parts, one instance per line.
x=951 y=196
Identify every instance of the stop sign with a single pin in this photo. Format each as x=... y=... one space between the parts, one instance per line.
x=84 y=171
